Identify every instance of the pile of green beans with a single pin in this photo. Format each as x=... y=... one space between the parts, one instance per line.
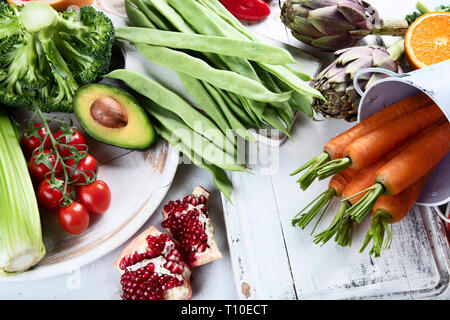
x=238 y=82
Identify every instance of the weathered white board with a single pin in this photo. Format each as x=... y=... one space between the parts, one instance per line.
x=274 y=260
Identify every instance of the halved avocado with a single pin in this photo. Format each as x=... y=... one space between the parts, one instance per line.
x=113 y=116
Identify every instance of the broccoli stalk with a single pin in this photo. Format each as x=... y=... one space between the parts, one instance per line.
x=46 y=55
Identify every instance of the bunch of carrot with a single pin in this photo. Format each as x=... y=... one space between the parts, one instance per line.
x=379 y=166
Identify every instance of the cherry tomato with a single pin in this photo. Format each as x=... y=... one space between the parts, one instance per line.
x=29 y=144
x=74 y=218
x=96 y=197
x=49 y=197
x=88 y=165
x=77 y=140
x=38 y=171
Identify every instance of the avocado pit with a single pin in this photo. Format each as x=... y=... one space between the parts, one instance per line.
x=109 y=113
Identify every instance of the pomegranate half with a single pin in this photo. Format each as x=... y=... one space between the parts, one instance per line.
x=152 y=269
x=190 y=226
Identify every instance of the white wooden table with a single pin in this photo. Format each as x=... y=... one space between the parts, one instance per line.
x=99 y=280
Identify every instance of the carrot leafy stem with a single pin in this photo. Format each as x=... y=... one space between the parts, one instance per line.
x=377 y=231
x=331 y=168
x=310 y=175
x=336 y=225
x=360 y=210
x=320 y=203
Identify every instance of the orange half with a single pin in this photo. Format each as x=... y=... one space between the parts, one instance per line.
x=427 y=40
x=60 y=5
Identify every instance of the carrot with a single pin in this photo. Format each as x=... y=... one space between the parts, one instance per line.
x=335 y=147
x=405 y=169
x=342 y=225
x=391 y=209
x=335 y=188
x=371 y=147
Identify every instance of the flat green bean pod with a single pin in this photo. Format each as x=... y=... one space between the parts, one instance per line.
x=219 y=176
x=201 y=146
x=171 y=101
x=237 y=126
x=209 y=22
x=171 y=15
x=216 y=7
x=137 y=17
x=155 y=18
x=195 y=89
x=292 y=79
x=237 y=109
x=204 y=43
x=199 y=69
x=271 y=118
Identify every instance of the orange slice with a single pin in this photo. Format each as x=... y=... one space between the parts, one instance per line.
x=59 y=5
x=427 y=40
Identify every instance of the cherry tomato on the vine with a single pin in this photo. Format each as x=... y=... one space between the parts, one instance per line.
x=77 y=140
x=38 y=171
x=87 y=165
x=49 y=197
x=29 y=144
x=96 y=197
x=74 y=218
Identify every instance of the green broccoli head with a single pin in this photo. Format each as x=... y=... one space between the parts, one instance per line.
x=46 y=55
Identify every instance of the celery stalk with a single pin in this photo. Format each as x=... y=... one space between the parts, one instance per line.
x=21 y=245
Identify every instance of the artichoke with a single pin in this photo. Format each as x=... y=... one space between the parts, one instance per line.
x=335 y=82
x=336 y=24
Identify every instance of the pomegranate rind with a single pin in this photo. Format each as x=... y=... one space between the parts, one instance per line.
x=210 y=254
x=139 y=244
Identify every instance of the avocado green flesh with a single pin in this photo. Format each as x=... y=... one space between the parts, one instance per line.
x=138 y=134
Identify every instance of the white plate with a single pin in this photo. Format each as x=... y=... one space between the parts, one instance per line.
x=139 y=182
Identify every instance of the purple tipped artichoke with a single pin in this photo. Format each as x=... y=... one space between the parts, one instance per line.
x=335 y=82
x=335 y=24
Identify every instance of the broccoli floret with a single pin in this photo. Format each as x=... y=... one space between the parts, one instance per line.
x=46 y=55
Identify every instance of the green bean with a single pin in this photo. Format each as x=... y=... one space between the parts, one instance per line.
x=136 y=17
x=237 y=65
x=235 y=124
x=271 y=85
x=205 y=23
x=240 y=66
x=219 y=176
x=298 y=73
x=271 y=118
x=199 y=69
x=298 y=101
x=195 y=89
x=155 y=18
x=250 y=110
x=171 y=15
x=287 y=119
x=171 y=101
x=202 y=20
x=295 y=82
x=180 y=24
x=214 y=44
x=201 y=146
x=223 y=13
x=236 y=109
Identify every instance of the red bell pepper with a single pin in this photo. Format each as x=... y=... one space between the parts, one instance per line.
x=249 y=10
